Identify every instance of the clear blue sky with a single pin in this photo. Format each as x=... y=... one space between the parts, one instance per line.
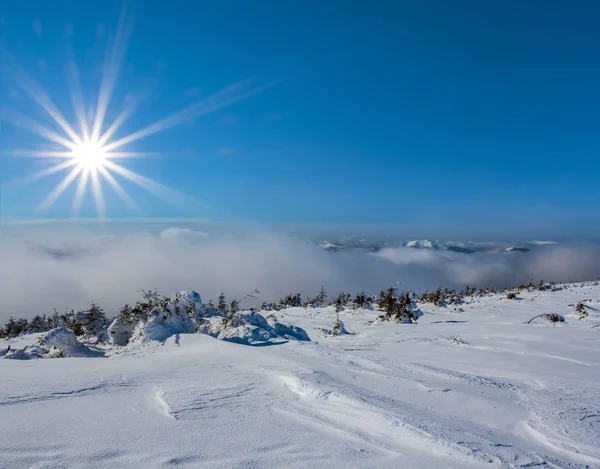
x=484 y=114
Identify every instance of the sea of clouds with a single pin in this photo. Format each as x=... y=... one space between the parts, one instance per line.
x=68 y=269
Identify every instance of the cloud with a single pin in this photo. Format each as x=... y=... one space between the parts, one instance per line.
x=37 y=27
x=42 y=270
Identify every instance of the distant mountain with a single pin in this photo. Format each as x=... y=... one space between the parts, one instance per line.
x=515 y=249
x=421 y=244
x=467 y=247
x=331 y=247
x=459 y=249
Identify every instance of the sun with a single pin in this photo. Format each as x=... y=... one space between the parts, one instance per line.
x=90 y=156
x=88 y=148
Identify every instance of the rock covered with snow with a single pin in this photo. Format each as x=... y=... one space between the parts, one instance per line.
x=120 y=332
x=27 y=353
x=62 y=342
x=251 y=328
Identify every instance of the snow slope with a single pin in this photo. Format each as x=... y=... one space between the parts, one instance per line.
x=465 y=387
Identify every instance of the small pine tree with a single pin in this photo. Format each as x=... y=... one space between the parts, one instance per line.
x=77 y=328
x=360 y=300
x=337 y=326
x=222 y=304
x=321 y=298
x=581 y=310
x=152 y=297
x=126 y=315
x=37 y=324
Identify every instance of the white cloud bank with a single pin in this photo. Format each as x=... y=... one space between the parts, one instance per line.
x=69 y=270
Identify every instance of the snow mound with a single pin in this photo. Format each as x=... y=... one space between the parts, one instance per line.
x=288 y=332
x=27 y=353
x=62 y=342
x=175 y=315
x=338 y=329
x=119 y=332
x=251 y=328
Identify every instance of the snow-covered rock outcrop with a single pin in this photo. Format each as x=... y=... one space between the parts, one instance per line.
x=27 y=353
x=61 y=342
x=57 y=343
x=251 y=328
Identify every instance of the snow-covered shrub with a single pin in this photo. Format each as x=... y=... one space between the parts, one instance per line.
x=338 y=329
x=90 y=324
x=361 y=301
x=552 y=317
x=175 y=315
x=318 y=301
x=581 y=310
x=291 y=301
x=443 y=296
x=398 y=307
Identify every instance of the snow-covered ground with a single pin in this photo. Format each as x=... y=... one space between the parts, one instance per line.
x=464 y=387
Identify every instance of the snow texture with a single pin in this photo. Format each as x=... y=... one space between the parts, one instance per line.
x=503 y=395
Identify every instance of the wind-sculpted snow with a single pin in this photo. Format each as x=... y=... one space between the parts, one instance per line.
x=469 y=387
x=57 y=343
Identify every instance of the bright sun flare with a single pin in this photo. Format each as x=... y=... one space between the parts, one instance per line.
x=88 y=149
x=90 y=156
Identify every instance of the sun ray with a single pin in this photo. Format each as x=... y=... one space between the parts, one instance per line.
x=98 y=195
x=77 y=99
x=48 y=172
x=42 y=98
x=127 y=200
x=51 y=199
x=111 y=71
x=159 y=190
x=37 y=154
x=118 y=122
x=88 y=153
x=223 y=98
x=19 y=120
x=116 y=155
x=80 y=192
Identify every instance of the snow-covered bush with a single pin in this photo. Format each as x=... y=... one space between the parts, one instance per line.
x=90 y=324
x=398 y=307
x=174 y=315
x=552 y=317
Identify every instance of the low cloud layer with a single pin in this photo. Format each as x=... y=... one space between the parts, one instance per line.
x=71 y=270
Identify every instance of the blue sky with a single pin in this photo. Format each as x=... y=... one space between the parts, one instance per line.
x=426 y=114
